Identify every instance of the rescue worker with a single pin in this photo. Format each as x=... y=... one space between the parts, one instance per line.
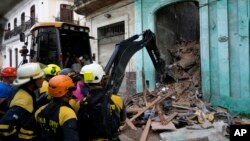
x=8 y=75
x=50 y=71
x=95 y=120
x=55 y=121
x=23 y=104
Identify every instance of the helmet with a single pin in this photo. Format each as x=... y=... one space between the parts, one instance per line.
x=52 y=69
x=59 y=85
x=93 y=73
x=67 y=71
x=27 y=72
x=71 y=73
x=8 y=71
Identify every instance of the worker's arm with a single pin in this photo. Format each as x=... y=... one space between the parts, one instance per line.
x=28 y=131
x=15 y=116
x=68 y=122
x=70 y=130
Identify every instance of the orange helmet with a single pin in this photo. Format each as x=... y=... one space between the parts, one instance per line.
x=59 y=85
x=8 y=71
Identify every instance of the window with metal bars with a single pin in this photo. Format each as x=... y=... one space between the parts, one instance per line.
x=111 y=33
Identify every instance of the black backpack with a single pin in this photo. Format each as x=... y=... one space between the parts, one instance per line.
x=96 y=119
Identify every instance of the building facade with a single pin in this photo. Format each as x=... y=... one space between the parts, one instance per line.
x=224 y=44
x=110 y=22
x=221 y=27
x=24 y=15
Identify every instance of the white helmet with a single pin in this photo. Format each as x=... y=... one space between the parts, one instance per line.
x=27 y=72
x=92 y=73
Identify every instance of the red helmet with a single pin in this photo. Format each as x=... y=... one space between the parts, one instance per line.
x=8 y=71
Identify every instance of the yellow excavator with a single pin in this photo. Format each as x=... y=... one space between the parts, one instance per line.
x=52 y=42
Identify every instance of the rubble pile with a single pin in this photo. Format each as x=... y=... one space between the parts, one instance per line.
x=177 y=107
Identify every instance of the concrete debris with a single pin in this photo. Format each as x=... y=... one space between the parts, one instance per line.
x=185 y=134
x=156 y=125
x=178 y=104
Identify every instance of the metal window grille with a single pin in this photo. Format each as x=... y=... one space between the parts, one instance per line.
x=111 y=33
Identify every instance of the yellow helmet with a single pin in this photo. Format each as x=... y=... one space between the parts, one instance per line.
x=52 y=69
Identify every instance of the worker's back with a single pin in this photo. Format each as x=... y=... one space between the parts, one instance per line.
x=100 y=116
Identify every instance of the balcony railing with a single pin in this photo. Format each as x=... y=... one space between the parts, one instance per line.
x=22 y=28
x=85 y=7
x=79 y=2
x=67 y=21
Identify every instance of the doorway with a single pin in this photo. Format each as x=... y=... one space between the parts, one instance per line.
x=178 y=34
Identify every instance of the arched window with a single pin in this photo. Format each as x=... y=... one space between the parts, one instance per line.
x=10 y=59
x=15 y=23
x=16 y=54
x=8 y=26
x=32 y=15
x=22 y=18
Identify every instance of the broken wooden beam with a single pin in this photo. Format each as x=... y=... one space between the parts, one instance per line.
x=171 y=117
x=133 y=110
x=182 y=107
x=130 y=124
x=158 y=99
x=146 y=130
x=160 y=114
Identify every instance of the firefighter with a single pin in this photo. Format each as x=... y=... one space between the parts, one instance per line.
x=8 y=75
x=55 y=121
x=29 y=79
x=102 y=123
x=50 y=71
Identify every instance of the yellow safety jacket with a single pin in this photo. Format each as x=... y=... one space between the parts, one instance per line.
x=20 y=110
x=55 y=121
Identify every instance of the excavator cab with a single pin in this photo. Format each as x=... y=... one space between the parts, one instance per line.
x=60 y=43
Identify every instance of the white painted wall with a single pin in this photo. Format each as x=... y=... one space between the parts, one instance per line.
x=122 y=11
x=42 y=10
x=45 y=11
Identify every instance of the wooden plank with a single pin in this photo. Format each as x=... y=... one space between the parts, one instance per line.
x=160 y=114
x=182 y=107
x=156 y=125
x=204 y=50
x=213 y=52
x=133 y=110
x=171 y=117
x=130 y=124
x=243 y=40
x=158 y=99
x=223 y=48
x=142 y=111
x=234 y=49
x=145 y=131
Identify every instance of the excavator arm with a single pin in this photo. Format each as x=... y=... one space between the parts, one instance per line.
x=122 y=54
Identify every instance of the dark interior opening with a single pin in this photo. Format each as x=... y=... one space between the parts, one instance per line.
x=178 y=33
